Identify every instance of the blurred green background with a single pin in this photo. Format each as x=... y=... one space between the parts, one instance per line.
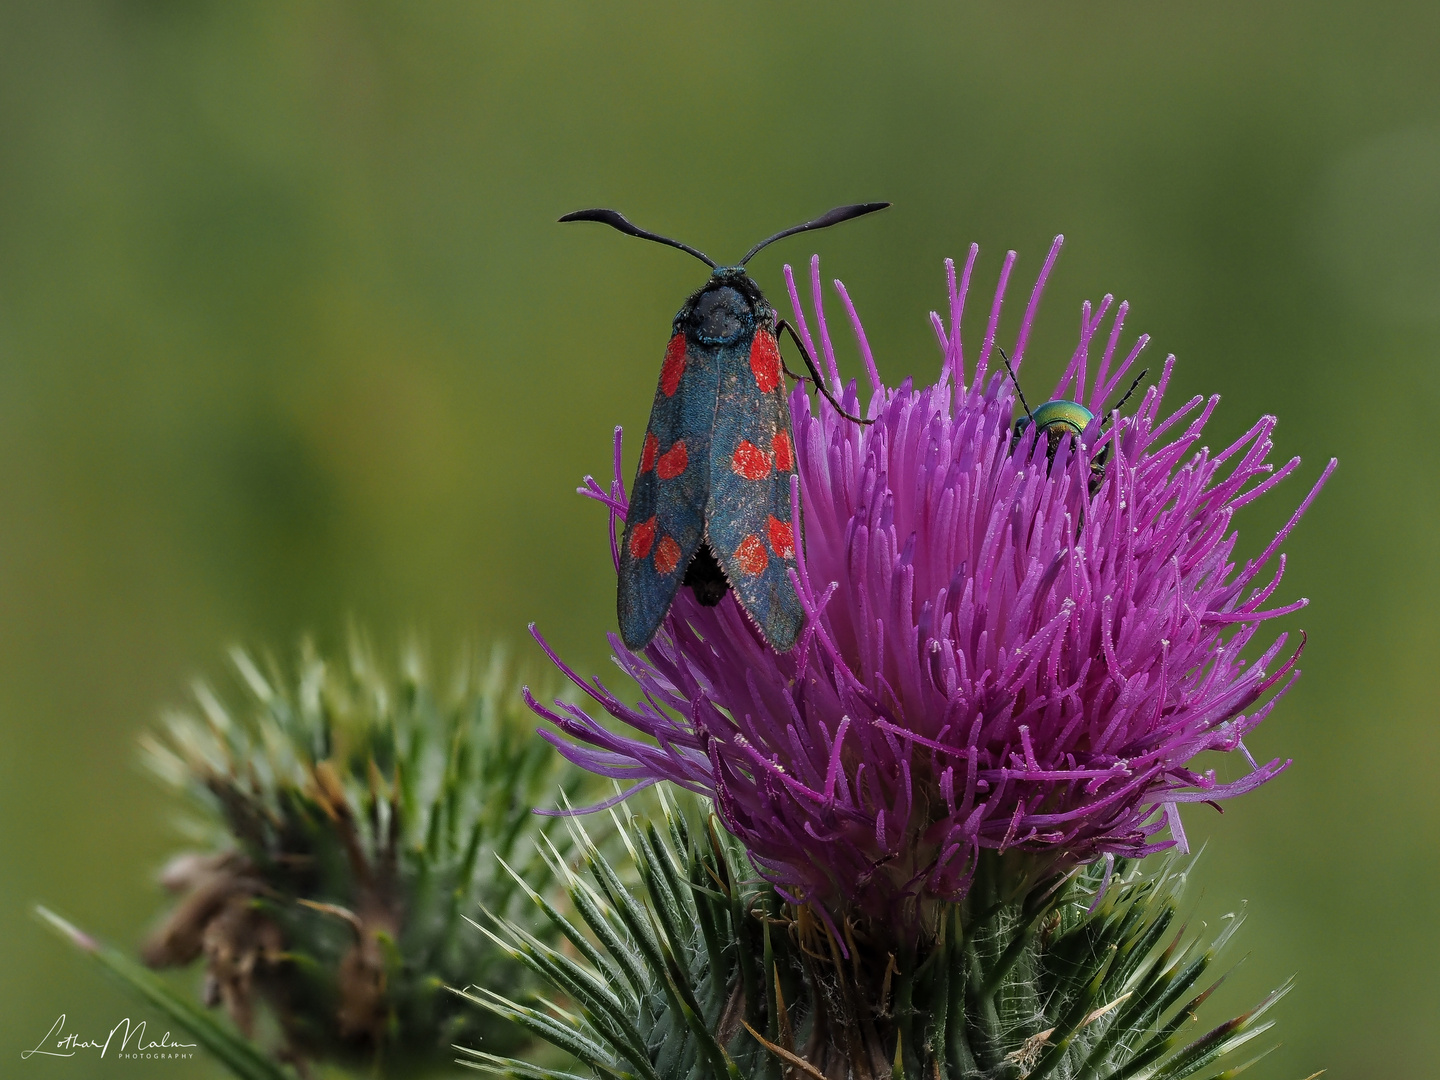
x=288 y=335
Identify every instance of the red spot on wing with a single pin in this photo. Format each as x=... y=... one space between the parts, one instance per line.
x=647 y=455
x=667 y=555
x=750 y=461
x=672 y=463
x=782 y=538
x=674 y=366
x=751 y=555
x=784 y=451
x=765 y=362
x=642 y=536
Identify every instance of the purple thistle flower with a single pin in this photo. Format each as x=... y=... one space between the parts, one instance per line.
x=994 y=659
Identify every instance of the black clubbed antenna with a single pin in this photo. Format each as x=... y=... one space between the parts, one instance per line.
x=824 y=221
x=617 y=220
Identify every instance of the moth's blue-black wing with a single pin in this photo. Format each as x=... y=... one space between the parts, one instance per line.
x=666 y=520
x=752 y=459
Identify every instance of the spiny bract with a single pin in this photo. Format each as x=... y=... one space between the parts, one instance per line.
x=704 y=972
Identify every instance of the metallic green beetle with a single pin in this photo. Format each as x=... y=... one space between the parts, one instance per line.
x=1058 y=418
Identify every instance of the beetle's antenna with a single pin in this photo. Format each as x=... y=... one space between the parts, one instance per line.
x=1116 y=407
x=617 y=220
x=1016 y=381
x=824 y=221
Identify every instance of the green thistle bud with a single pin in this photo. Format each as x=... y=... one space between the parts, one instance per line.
x=349 y=817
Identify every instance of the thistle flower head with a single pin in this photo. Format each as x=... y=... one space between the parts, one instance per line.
x=1013 y=644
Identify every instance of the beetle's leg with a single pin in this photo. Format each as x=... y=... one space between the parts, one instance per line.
x=814 y=372
x=1097 y=473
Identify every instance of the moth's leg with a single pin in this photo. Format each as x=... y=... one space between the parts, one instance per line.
x=814 y=372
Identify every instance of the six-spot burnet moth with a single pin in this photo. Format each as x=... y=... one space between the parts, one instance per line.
x=710 y=505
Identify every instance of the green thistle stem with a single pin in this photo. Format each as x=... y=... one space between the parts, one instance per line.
x=236 y=1053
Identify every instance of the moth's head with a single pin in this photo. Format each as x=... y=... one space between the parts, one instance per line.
x=729 y=275
x=726 y=308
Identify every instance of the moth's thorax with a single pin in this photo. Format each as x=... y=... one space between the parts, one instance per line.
x=726 y=309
